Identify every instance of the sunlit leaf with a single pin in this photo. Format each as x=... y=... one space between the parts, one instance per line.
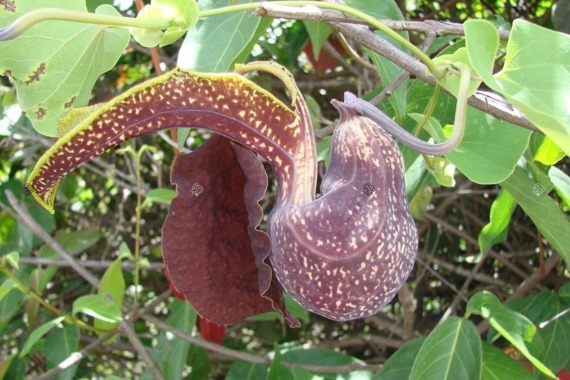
x=55 y=64
x=545 y=150
x=481 y=155
x=535 y=74
x=561 y=183
x=215 y=42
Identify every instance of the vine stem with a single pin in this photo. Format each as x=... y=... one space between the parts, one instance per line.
x=137 y=156
x=436 y=71
x=26 y=21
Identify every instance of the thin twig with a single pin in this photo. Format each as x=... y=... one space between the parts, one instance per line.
x=440 y=28
x=249 y=357
x=75 y=357
x=490 y=103
x=130 y=332
x=389 y=90
x=471 y=240
x=93 y=264
x=23 y=217
x=407 y=300
x=451 y=309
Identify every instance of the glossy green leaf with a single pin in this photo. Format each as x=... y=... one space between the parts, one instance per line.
x=6 y=287
x=216 y=41
x=19 y=238
x=37 y=334
x=545 y=150
x=199 y=361
x=171 y=353
x=98 y=307
x=535 y=74
x=318 y=34
x=161 y=195
x=546 y=310
x=323 y=357
x=241 y=370
x=277 y=371
x=513 y=326
x=55 y=64
x=399 y=365
x=561 y=182
x=481 y=155
x=60 y=344
x=451 y=351
x=112 y=286
x=496 y=230
x=499 y=366
x=542 y=209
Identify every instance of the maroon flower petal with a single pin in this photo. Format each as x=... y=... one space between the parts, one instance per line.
x=209 y=233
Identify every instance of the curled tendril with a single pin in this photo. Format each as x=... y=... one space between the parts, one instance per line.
x=373 y=113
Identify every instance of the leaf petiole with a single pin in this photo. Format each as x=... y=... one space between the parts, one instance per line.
x=26 y=21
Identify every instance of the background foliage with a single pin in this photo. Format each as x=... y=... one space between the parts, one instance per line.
x=489 y=294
